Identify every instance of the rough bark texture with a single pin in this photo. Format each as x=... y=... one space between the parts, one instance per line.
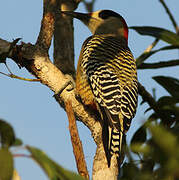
x=47 y=25
x=100 y=167
x=64 y=39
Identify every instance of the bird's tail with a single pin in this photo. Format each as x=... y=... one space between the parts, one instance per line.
x=113 y=143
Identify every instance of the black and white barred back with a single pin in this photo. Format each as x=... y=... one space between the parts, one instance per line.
x=111 y=71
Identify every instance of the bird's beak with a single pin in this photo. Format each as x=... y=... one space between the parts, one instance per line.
x=85 y=18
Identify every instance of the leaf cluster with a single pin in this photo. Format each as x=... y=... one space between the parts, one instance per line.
x=8 y=141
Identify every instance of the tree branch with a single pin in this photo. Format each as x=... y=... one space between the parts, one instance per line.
x=47 y=25
x=100 y=167
x=6 y=49
x=38 y=63
x=76 y=143
x=161 y=64
x=64 y=38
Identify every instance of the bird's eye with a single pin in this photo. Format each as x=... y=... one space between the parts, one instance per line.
x=105 y=14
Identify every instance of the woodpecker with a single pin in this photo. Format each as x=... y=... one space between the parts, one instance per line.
x=106 y=77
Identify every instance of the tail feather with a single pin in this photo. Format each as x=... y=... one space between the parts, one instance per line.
x=114 y=143
x=113 y=138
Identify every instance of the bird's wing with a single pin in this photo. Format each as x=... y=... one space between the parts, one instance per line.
x=107 y=69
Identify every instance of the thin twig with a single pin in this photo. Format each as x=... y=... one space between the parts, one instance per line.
x=8 y=68
x=20 y=78
x=170 y=16
x=161 y=64
x=76 y=143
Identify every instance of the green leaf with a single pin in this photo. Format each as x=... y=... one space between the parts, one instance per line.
x=129 y=170
x=167 y=101
x=6 y=133
x=139 y=136
x=159 y=33
x=17 y=142
x=6 y=164
x=146 y=55
x=140 y=148
x=167 y=104
x=51 y=168
x=170 y=84
x=166 y=141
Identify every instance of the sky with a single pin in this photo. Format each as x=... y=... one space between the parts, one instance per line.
x=30 y=107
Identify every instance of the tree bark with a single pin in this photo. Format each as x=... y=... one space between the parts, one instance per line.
x=100 y=167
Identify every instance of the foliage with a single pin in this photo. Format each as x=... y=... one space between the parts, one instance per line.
x=51 y=168
x=156 y=142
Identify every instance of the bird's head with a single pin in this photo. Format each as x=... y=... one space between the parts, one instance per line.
x=103 y=22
